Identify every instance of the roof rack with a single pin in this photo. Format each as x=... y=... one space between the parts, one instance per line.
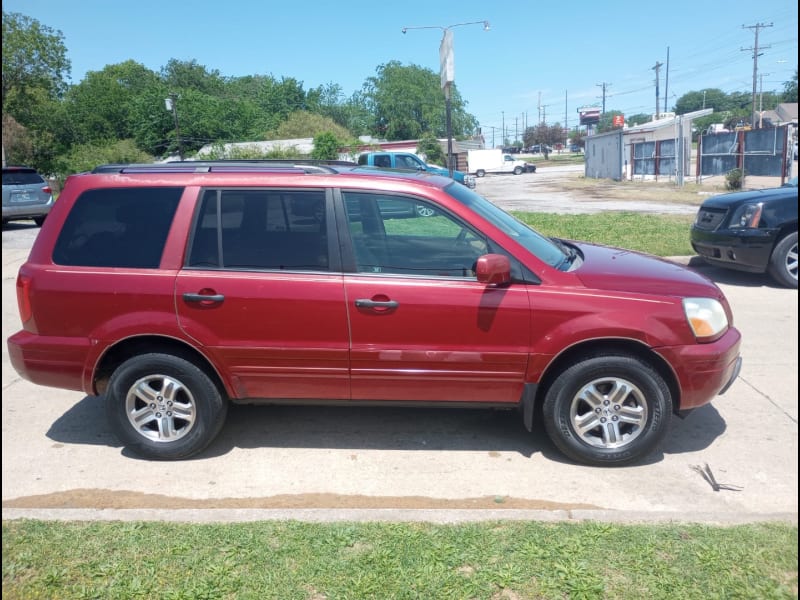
x=229 y=166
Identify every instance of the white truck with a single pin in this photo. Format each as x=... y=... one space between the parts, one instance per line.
x=481 y=162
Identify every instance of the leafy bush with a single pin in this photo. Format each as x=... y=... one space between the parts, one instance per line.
x=85 y=157
x=326 y=146
x=733 y=179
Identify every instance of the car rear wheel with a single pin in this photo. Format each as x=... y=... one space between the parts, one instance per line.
x=607 y=410
x=164 y=407
x=480 y=173
x=38 y=221
x=783 y=262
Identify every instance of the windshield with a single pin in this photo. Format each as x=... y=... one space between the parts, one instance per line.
x=537 y=244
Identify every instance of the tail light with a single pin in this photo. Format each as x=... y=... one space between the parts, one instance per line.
x=47 y=189
x=24 y=298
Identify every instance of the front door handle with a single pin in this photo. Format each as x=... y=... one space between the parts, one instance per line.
x=380 y=304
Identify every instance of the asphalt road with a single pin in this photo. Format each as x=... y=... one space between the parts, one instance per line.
x=60 y=461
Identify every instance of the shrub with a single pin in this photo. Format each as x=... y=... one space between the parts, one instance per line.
x=733 y=179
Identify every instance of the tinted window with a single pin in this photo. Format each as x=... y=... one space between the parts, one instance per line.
x=395 y=234
x=117 y=227
x=261 y=229
x=22 y=178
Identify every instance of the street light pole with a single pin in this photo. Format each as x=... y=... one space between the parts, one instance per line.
x=447 y=74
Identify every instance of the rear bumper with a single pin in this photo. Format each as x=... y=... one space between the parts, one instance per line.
x=54 y=362
x=704 y=370
x=25 y=211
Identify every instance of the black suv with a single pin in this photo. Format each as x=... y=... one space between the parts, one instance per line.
x=754 y=231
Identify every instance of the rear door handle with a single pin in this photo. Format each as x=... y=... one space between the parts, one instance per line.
x=215 y=298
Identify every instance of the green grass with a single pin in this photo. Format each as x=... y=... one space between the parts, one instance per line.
x=288 y=560
x=662 y=235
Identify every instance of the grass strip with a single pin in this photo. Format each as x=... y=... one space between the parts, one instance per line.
x=312 y=561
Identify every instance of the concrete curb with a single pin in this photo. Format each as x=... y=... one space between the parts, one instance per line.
x=389 y=515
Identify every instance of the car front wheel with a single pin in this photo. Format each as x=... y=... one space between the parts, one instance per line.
x=480 y=173
x=783 y=262
x=517 y=170
x=164 y=407
x=607 y=410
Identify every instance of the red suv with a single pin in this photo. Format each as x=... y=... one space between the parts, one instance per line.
x=174 y=289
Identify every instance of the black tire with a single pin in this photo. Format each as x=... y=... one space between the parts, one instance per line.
x=480 y=173
x=39 y=221
x=639 y=415
x=517 y=170
x=783 y=261
x=200 y=413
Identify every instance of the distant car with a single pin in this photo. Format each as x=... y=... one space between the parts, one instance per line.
x=26 y=195
x=753 y=231
x=530 y=167
x=540 y=149
x=575 y=148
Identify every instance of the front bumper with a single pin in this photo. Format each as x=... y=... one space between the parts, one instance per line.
x=704 y=371
x=743 y=250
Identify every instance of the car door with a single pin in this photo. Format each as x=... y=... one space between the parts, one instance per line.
x=262 y=291
x=421 y=326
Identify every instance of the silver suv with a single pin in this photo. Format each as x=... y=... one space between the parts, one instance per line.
x=26 y=195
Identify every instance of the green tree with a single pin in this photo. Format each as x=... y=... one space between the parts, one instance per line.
x=406 y=101
x=430 y=147
x=790 y=89
x=34 y=61
x=326 y=146
x=607 y=121
x=100 y=107
x=637 y=119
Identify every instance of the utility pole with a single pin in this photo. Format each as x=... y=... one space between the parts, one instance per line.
x=656 y=69
x=172 y=105
x=755 y=50
x=566 y=123
x=603 y=86
x=503 y=140
x=539 y=106
x=666 y=83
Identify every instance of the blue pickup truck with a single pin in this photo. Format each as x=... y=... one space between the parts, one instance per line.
x=409 y=160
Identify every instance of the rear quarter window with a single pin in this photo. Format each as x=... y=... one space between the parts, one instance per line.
x=117 y=227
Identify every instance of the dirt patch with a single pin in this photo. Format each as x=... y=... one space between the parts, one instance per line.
x=109 y=499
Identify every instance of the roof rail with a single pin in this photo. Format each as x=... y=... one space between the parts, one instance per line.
x=228 y=166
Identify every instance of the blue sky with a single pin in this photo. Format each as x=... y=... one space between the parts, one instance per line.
x=538 y=59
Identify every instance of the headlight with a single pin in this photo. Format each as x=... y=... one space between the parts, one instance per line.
x=706 y=317
x=746 y=216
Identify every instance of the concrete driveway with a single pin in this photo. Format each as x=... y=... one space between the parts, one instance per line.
x=60 y=461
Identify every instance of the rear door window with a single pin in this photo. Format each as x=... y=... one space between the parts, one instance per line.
x=261 y=229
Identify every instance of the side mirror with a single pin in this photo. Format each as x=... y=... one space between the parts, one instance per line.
x=493 y=269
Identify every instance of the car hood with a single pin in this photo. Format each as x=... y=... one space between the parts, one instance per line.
x=616 y=269
x=724 y=201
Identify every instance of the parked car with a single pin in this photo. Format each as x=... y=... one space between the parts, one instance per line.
x=575 y=148
x=26 y=195
x=192 y=285
x=753 y=231
x=540 y=149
